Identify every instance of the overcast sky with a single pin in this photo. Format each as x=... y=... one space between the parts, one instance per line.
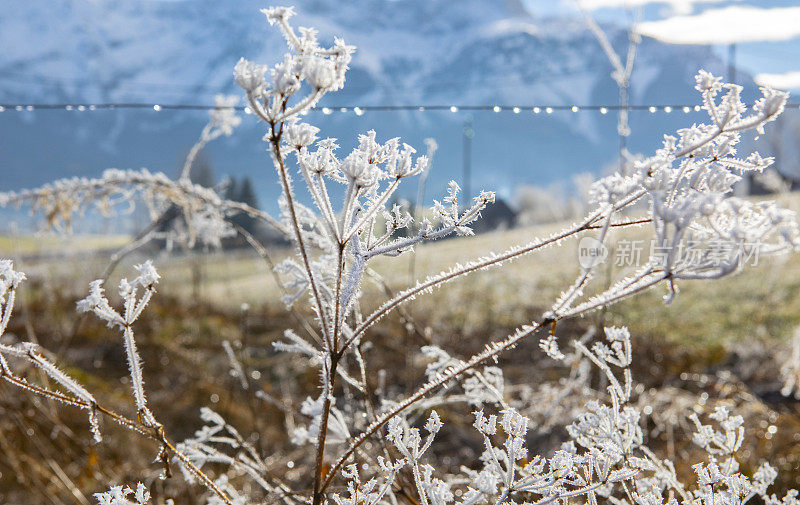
x=749 y=21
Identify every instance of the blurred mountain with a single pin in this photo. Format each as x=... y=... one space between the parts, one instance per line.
x=409 y=52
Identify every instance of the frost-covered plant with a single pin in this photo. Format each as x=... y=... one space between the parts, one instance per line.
x=621 y=73
x=74 y=394
x=180 y=210
x=119 y=495
x=686 y=185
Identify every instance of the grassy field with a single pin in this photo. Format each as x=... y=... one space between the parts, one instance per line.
x=741 y=323
x=762 y=302
x=50 y=243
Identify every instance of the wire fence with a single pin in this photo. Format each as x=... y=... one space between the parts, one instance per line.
x=360 y=109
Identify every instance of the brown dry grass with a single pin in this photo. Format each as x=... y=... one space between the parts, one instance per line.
x=739 y=324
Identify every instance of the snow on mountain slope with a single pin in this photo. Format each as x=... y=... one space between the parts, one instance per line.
x=409 y=51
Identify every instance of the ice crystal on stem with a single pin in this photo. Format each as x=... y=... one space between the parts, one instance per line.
x=133 y=305
x=123 y=495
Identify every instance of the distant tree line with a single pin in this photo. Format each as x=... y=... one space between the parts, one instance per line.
x=231 y=188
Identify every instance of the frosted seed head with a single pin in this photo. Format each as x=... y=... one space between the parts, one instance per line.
x=320 y=72
x=434 y=423
x=148 y=276
x=298 y=135
x=95 y=298
x=278 y=14
x=223 y=115
x=706 y=82
x=9 y=277
x=249 y=76
x=284 y=77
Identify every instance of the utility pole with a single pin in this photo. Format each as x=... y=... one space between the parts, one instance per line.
x=469 y=133
x=746 y=184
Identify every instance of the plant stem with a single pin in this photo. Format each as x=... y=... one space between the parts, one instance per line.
x=327 y=392
x=301 y=246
